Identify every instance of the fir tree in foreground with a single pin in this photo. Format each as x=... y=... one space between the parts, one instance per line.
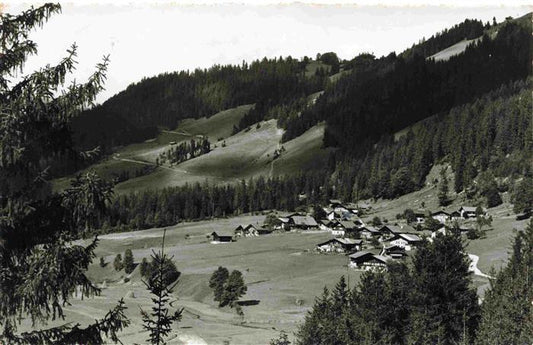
x=40 y=266
x=507 y=316
x=159 y=322
x=431 y=302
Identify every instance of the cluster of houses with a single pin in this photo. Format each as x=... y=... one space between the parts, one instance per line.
x=352 y=235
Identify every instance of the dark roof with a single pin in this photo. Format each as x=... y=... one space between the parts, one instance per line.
x=345 y=241
x=304 y=220
x=407 y=228
x=395 y=229
x=440 y=212
x=367 y=255
x=371 y=229
x=222 y=233
x=359 y=255
x=347 y=224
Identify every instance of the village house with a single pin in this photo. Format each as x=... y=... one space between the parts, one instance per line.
x=303 y=222
x=337 y=229
x=284 y=224
x=368 y=261
x=340 y=245
x=222 y=237
x=389 y=231
x=394 y=251
x=365 y=207
x=467 y=212
x=246 y=231
x=441 y=216
x=420 y=217
x=455 y=216
x=264 y=231
x=368 y=232
x=325 y=224
x=352 y=208
x=442 y=231
x=407 y=241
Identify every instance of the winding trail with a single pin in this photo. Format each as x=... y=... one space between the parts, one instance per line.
x=473 y=267
x=117 y=157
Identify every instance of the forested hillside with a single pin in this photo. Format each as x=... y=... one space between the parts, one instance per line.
x=494 y=134
x=387 y=94
x=135 y=114
x=471 y=111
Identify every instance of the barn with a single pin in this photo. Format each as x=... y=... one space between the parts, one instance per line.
x=368 y=261
x=222 y=237
x=340 y=245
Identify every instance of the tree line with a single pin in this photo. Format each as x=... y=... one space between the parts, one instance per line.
x=184 y=151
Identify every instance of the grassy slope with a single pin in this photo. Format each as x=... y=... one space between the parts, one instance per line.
x=281 y=270
x=453 y=50
x=246 y=154
x=220 y=124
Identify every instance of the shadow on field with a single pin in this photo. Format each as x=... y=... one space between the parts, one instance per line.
x=248 y=302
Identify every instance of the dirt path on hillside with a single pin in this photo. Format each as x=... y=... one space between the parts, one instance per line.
x=473 y=267
x=187 y=134
x=117 y=157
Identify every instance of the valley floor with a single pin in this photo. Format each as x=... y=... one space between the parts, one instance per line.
x=282 y=271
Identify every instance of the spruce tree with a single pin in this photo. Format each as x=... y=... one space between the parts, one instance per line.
x=40 y=265
x=117 y=263
x=443 y=189
x=507 y=308
x=128 y=263
x=159 y=322
x=444 y=305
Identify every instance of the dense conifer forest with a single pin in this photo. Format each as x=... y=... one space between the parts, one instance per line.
x=491 y=135
x=136 y=113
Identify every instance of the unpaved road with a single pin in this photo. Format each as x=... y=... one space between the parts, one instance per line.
x=473 y=266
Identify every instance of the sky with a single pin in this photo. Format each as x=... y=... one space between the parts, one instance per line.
x=146 y=38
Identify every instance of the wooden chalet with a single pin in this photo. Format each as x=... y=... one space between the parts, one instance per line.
x=467 y=212
x=368 y=261
x=222 y=237
x=394 y=252
x=420 y=217
x=340 y=245
x=246 y=231
x=285 y=223
x=369 y=232
x=455 y=215
x=407 y=241
x=325 y=224
x=303 y=222
x=390 y=230
x=441 y=216
x=264 y=231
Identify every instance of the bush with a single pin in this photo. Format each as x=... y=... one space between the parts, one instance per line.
x=102 y=262
x=376 y=221
x=472 y=234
